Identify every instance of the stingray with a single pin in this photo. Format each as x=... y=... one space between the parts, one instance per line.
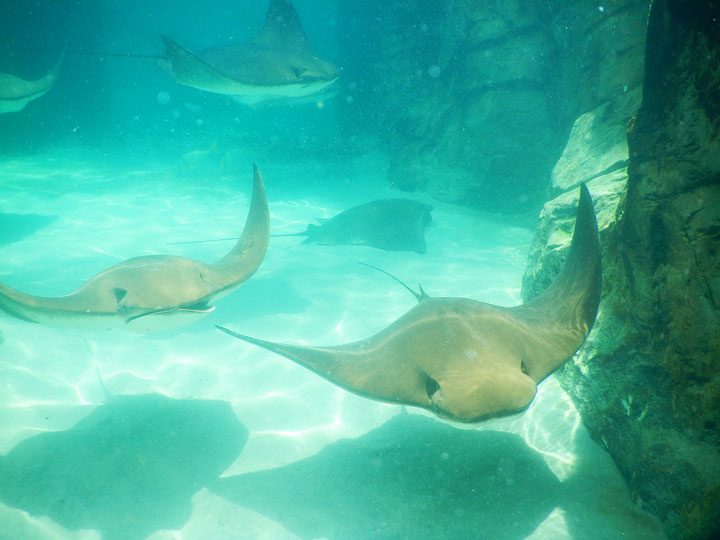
x=466 y=360
x=156 y=291
x=278 y=62
x=16 y=93
x=128 y=469
x=389 y=224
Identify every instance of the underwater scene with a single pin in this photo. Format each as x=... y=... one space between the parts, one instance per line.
x=320 y=269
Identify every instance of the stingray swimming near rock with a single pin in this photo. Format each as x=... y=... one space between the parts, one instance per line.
x=128 y=469
x=463 y=359
x=277 y=63
x=153 y=292
x=389 y=224
x=16 y=93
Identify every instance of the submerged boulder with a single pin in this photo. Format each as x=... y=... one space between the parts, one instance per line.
x=474 y=100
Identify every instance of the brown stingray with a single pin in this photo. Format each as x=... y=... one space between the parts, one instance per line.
x=153 y=292
x=277 y=63
x=463 y=359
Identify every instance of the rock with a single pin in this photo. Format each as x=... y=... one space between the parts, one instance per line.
x=598 y=144
x=554 y=231
x=465 y=160
x=599 y=53
x=647 y=381
x=508 y=80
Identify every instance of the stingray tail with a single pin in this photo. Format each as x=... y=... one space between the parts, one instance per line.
x=229 y=238
x=320 y=360
x=288 y=234
x=574 y=296
x=419 y=295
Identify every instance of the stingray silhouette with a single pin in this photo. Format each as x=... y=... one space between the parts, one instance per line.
x=413 y=477
x=15 y=227
x=128 y=469
x=389 y=224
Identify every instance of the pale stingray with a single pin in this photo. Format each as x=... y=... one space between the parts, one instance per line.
x=278 y=62
x=463 y=359
x=16 y=93
x=153 y=292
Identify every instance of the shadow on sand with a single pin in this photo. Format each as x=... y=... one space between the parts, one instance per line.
x=15 y=227
x=413 y=477
x=128 y=469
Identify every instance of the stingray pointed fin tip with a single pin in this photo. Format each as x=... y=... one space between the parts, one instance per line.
x=170 y=44
x=248 y=339
x=231 y=332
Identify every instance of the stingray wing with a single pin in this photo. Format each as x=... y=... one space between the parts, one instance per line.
x=189 y=69
x=560 y=318
x=282 y=30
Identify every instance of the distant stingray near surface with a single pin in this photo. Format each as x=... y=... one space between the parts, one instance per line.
x=153 y=292
x=16 y=93
x=277 y=63
x=467 y=360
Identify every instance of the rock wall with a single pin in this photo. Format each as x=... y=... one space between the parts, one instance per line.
x=647 y=382
x=475 y=100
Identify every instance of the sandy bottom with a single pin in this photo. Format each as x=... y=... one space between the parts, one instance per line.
x=201 y=436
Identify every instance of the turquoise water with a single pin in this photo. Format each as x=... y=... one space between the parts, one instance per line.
x=190 y=434
x=306 y=446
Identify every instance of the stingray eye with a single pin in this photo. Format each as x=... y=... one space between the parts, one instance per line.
x=431 y=386
x=523 y=367
x=119 y=294
x=298 y=71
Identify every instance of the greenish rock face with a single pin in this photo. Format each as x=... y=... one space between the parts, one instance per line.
x=647 y=381
x=597 y=145
x=554 y=231
x=476 y=99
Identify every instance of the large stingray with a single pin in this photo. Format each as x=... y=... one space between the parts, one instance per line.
x=278 y=62
x=153 y=292
x=16 y=93
x=463 y=359
x=389 y=224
